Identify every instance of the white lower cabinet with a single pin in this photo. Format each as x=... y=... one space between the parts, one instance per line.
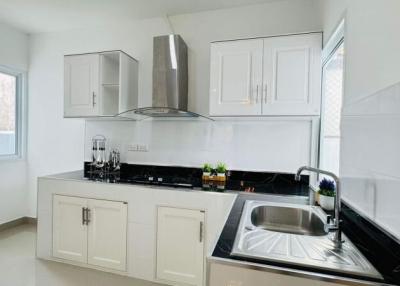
x=69 y=230
x=180 y=245
x=107 y=234
x=90 y=231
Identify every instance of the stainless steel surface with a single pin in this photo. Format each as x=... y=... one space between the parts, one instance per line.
x=83 y=216
x=99 y=150
x=85 y=219
x=115 y=159
x=331 y=225
x=87 y=216
x=94 y=99
x=170 y=77
x=170 y=81
x=331 y=278
x=294 y=239
x=265 y=93
x=201 y=231
x=294 y=220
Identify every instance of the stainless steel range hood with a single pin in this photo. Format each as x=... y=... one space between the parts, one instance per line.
x=170 y=80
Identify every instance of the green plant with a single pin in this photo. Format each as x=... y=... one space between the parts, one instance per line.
x=221 y=168
x=327 y=188
x=207 y=168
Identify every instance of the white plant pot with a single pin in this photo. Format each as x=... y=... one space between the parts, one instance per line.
x=206 y=174
x=327 y=203
x=221 y=174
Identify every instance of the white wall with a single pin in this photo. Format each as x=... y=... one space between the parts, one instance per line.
x=56 y=144
x=13 y=53
x=371 y=112
x=271 y=144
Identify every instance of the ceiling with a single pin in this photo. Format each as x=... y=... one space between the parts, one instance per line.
x=36 y=16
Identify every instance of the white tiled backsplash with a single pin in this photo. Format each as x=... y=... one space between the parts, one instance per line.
x=370 y=158
x=274 y=144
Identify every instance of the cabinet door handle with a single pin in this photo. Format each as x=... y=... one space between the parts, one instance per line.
x=265 y=93
x=87 y=216
x=201 y=231
x=83 y=216
x=257 y=94
x=93 y=99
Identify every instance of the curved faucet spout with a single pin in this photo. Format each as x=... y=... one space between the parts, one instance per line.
x=333 y=225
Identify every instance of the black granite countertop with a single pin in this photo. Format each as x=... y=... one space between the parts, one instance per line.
x=191 y=179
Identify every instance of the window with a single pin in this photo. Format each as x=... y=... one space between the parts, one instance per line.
x=10 y=113
x=332 y=94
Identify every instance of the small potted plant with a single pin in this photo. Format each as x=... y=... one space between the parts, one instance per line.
x=327 y=194
x=221 y=171
x=207 y=169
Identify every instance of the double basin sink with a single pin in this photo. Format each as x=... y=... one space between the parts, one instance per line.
x=295 y=234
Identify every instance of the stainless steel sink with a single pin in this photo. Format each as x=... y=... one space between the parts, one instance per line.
x=294 y=234
x=294 y=220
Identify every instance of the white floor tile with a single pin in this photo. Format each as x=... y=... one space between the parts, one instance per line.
x=20 y=267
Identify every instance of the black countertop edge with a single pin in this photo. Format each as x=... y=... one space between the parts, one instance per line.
x=379 y=248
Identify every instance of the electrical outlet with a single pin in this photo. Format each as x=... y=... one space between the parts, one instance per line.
x=142 y=148
x=132 y=147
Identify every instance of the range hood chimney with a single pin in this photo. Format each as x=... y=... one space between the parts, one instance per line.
x=170 y=79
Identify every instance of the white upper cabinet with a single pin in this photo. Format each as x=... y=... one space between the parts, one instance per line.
x=292 y=75
x=270 y=76
x=180 y=246
x=236 y=78
x=81 y=85
x=100 y=84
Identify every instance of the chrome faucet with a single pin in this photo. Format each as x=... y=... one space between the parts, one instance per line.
x=331 y=225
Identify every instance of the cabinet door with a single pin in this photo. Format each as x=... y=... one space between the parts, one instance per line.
x=107 y=231
x=180 y=245
x=69 y=230
x=81 y=85
x=236 y=78
x=292 y=75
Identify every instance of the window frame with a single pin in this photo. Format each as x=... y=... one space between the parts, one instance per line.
x=20 y=113
x=333 y=44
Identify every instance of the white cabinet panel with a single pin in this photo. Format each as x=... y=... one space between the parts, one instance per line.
x=90 y=231
x=292 y=75
x=69 y=230
x=81 y=85
x=107 y=234
x=180 y=245
x=236 y=78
